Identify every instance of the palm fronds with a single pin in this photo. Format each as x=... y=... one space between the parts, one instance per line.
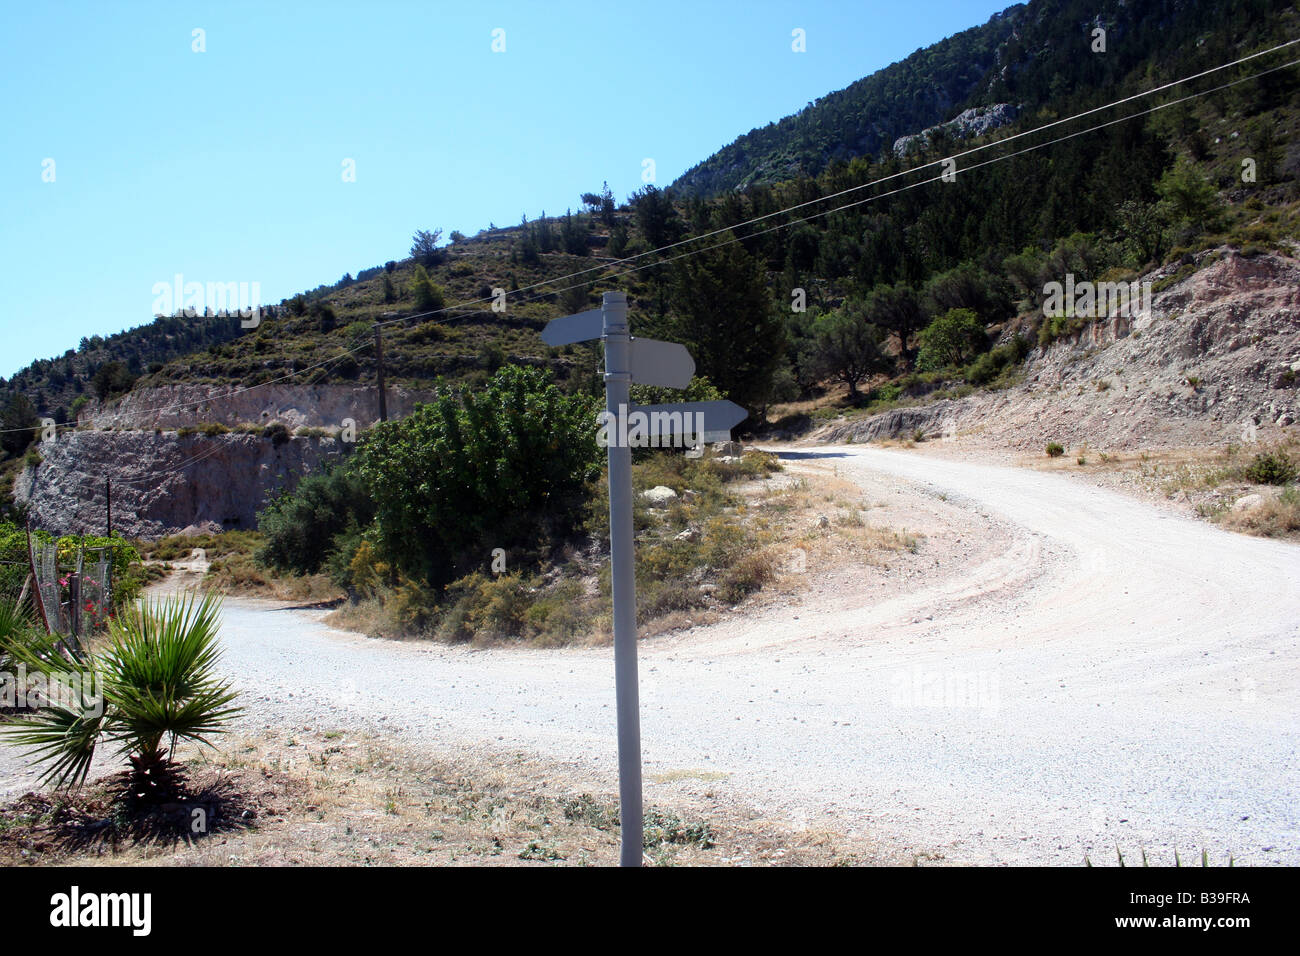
x=154 y=685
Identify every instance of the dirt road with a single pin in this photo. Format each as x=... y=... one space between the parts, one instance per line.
x=1099 y=673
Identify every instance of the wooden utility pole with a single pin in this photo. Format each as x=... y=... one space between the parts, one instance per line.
x=108 y=507
x=379 y=357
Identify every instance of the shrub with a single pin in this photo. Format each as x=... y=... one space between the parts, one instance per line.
x=302 y=527
x=952 y=339
x=1271 y=468
x=499 y=466
x=428 y=294
x=160 y=686
x=746 y=576
x=992 y=364
x=1275 y=517
x=278 y=432
x=1055 y=450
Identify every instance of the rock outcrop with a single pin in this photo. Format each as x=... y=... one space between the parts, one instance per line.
x=296 y=406
x=1215 y=361
x=975 y=121
x=163 y=483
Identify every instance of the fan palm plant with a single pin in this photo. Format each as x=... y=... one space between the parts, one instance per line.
x=152 y=686
x=15 y=622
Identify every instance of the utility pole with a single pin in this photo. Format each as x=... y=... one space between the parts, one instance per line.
x=647 y=362
x=108 y=507
x=379 y=357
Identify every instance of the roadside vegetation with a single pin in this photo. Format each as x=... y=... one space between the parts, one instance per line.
x=483 y=517
x=147 y=687
x=1250 y=488
x=129 y=572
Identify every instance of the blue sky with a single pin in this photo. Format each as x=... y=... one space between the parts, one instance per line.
x=227 y=165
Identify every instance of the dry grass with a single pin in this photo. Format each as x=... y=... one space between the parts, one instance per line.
x=1208 y=479
x=344 y=798
x=241 y=574
x=849 y=537
x=1275 y=517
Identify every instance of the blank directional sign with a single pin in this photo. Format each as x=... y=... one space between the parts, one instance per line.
x=574 y=328
x=704 y=421
x=661 y=363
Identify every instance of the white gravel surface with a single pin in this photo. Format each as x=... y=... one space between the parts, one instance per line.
x=1109 y=673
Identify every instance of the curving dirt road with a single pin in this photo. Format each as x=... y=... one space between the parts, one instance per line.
x=1098 y=672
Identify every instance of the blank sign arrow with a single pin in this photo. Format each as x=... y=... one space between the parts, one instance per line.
x=661 y=363
x=704 y=420
x=574 y=328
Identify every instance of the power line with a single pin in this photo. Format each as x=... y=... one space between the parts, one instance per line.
x=781 y=212
x=996 y=159
x=935 y=179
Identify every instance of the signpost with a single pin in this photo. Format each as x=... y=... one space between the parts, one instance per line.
x=646 y=362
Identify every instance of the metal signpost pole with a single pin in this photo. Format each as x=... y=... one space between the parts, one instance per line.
x=648 y=362
x=618 y=379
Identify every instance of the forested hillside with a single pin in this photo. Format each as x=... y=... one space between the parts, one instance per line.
x=875 y=270
x=1035 y=56
x=864 y=118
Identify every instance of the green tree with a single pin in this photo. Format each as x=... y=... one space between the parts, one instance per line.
x=722 y=313
x=951 y=340
x=498 y=466
x=848 y=347
x=1188 y=195
x=18 y=423
x=428 y=294
x=655 y=215
x=424 y=246
x=573 y=234
x=969 y=287
x=1142 y=228
x=302 y=526
x=897 y=308
x=113 y=378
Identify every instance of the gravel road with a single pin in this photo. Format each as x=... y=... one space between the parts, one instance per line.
x=1108 y=674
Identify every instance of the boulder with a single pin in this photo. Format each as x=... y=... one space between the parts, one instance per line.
x=659 y=496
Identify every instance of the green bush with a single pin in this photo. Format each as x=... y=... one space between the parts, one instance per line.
x=1271 y=468
x=303 y=527
x=495 y=467
x=1054 y=450
x=992 y=364
x=278 y=432
x=952 y=339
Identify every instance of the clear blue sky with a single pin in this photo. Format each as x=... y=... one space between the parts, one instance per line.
x=226 y=165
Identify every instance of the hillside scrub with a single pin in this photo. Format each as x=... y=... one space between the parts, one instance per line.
x=701 y=552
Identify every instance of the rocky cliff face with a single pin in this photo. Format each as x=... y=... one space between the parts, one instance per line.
x=163 y=483
x=1217 y=360
x=322 y=406
x=965 y=125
